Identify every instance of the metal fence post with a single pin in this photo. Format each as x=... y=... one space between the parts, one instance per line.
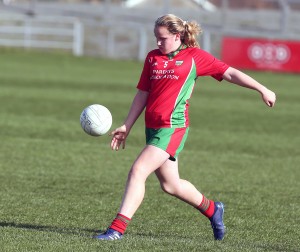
x=285 y=11
x=110 y=42
x=78 y=38
x=27 y=33
x=206 y=41
x=143 y=44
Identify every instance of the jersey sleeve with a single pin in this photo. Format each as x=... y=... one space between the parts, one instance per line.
x=208 y=65
x=144 y=82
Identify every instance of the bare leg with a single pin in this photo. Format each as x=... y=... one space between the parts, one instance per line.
x=168 y=175
x=171 y=183
x=143 y=166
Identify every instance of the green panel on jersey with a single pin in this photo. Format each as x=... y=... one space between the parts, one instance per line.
x=178 y=116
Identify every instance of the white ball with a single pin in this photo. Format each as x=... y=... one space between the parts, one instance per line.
x=96 y=120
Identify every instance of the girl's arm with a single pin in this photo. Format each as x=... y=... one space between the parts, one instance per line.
x=120 y=134
x=237 y=77
x=137 y=107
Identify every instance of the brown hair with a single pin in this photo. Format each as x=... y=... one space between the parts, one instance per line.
x=188 y=30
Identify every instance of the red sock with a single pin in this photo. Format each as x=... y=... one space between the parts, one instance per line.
x=207 y=207
x=120 y=223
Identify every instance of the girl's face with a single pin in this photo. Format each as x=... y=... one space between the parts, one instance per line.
x=166 y=41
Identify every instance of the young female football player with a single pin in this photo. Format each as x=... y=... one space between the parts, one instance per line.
x=164 y=88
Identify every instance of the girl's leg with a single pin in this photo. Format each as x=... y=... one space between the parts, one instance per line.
x=147 y=162
x=172 y=184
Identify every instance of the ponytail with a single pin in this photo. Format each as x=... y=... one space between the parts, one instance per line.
x=189 y=37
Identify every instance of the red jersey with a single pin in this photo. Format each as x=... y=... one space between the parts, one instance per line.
x=170 y=82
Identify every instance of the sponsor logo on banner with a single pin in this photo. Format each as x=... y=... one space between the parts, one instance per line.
x=269 y=54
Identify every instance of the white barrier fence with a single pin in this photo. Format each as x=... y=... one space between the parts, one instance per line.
x=42 y=32
x=114 y=32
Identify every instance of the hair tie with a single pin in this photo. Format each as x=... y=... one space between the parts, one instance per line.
x=184 y=23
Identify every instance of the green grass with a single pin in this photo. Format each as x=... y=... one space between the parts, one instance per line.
x=59 y=185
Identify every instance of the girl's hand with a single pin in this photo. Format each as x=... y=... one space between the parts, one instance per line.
x=119 y=137
x=269 y=97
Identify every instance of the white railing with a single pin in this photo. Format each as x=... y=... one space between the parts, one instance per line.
x=114 y=31
x=42 y=32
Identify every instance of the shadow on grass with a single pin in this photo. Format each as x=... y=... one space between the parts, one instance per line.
x=80 y=232
x=71 y=231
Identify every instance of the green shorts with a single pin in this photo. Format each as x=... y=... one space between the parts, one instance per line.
x=171 y=140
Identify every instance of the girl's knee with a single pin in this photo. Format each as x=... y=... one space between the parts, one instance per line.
x=170 y=189
x=137 y=171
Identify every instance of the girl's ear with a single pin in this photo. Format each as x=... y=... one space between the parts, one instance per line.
x=177 y=37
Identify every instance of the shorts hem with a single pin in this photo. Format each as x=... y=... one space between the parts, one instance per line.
x=172 y=157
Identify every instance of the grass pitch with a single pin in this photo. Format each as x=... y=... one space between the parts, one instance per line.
x=59 y=185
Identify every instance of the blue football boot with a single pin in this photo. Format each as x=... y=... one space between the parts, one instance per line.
x=217 y=221
x=109 y=235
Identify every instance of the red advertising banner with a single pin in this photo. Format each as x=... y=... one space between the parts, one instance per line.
x=261 y=54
